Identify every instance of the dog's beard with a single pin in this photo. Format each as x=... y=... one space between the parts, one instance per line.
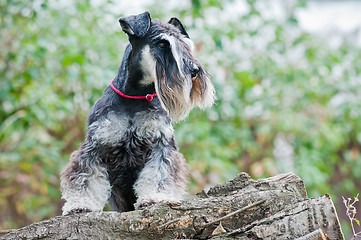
x=179 y=94
x=203 y=92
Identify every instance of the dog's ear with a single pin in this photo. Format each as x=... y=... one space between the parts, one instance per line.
x=136 y=25
x=177 y=23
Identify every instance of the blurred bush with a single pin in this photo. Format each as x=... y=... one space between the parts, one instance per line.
x=55 y=60
x=287 y=101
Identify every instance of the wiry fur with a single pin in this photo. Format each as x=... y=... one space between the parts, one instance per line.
x=129 y=157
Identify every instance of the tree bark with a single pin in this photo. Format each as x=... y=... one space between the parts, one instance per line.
x=242 y=208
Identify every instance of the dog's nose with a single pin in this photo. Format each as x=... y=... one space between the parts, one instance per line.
x=195 y=70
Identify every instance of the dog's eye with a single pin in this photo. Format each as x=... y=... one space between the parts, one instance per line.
x=163 y=44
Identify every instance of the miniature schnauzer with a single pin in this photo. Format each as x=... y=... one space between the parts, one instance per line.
x=129 y=157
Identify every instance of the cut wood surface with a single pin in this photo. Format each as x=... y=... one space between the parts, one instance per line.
x=242 y=208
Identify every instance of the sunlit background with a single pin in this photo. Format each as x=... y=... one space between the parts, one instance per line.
x=287 y=74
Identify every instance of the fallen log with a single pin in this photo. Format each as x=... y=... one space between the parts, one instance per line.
x=242 y=208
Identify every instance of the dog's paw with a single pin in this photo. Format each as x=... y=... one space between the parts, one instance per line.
x=77 y=211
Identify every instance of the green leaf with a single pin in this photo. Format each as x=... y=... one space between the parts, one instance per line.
x=357 y=221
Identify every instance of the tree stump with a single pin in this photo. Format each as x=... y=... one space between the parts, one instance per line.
x=242 y=208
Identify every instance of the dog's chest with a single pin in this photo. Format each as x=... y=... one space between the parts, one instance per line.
x=124 y=141
x=116 y=130
x=125 y=144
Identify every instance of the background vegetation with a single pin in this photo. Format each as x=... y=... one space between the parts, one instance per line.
x=287 y=101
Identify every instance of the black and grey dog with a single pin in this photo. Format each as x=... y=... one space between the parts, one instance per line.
x=129 y=157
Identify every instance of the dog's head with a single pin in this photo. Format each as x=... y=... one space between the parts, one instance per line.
x=165 y=54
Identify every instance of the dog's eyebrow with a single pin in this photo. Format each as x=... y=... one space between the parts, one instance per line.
x=166 y=37
x=174 y=49
x=190 y=43
x=163 y=36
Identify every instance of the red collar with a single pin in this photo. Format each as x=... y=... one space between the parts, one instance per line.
x=148 y=97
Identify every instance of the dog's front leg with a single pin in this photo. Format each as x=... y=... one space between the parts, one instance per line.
x=163 y=177
x=84 y=183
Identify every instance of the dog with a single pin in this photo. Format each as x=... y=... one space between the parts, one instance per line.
x=130 y=158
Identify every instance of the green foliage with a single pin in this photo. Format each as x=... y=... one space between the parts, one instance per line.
x=274 y=81
x=55 y=61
